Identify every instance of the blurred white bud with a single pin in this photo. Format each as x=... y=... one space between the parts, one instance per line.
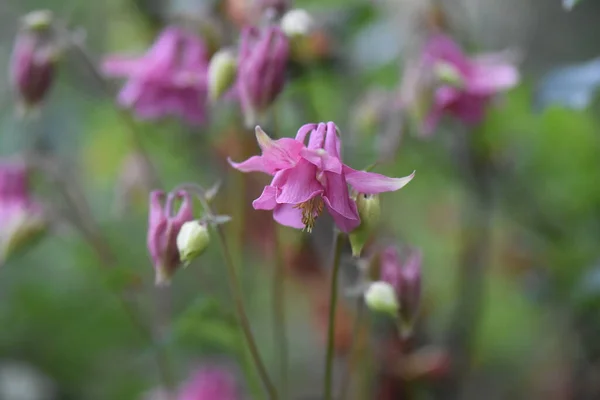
x=297 y=22
x=192 y=240
x=381 y=297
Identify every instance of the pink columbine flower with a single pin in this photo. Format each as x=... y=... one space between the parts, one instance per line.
x=309 y=178
x=169 y=80
x=464 y=85
x=210 y=383
x=21 y=217
x=405 y=276
x=262 y=59
x=163 y=227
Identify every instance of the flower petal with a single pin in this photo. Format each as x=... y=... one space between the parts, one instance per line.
x=332 y=140
x=253 y=164
x=488 y=79
x=278 y=154
x=288 y=215
x=266 y=201
x=317 y=137
x=304 y=130
x=322 y=160
x=339 y=204
x=298 y=184
x=372 y=183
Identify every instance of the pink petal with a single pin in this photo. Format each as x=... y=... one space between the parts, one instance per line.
x=442 y=47
x=278 y=154
x=372 y=183
x=322 y=160
x=470 y=109
x=298 y=184
x=288 y=215
x=253 y=164
x=317 y=137
x=333 y=143
x=303 y=131
x=119 y=66
x=266 y=201
x=490 y=79
x=337 y=197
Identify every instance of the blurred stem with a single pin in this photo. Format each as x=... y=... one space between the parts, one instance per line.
x=134 y=133
x=354 y=350
x=235 y=289
x=474 y=259
x=335 y=269
x=279 y=320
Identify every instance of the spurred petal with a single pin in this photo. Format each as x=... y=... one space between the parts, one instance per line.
x=345 y=224
x=337 y=197
x=156 y=208
x=332 y=141
x=266 y=201
x=186 y=211
x=253 y=164
x=303 y=131
x=278 y=154
x=372 y=183
x=298 y=184
x=322 y=160
x=288 y=215
x=317 y=137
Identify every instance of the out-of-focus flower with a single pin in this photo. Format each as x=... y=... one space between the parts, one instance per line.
x=462 y=86
x=34 y=58
x=21 y=218
x=192 y=240
x=262 y=60
x=381 y=297
x=210 y=383
x=369 y=210
x=405 y=277
x=222 y=72
x=163 y=227
x=309 y=178
x=169 y=80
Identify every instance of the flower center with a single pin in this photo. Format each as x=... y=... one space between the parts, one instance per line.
x=311 y=210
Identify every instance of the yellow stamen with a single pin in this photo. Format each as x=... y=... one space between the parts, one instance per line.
x=311 y=210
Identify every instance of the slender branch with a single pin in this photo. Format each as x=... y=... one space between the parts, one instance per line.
x=279 y=320
x=333 y=295
x=347 y=374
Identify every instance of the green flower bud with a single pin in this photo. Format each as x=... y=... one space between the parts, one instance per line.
x=192 y=240
x=381 y=297
x=369 y=210
x=222 y=72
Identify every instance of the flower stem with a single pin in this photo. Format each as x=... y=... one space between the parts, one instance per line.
x=235 y=288
x=335 y=269
x=279 y=320
x=354 y=350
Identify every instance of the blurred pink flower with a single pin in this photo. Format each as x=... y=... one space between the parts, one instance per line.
x=263 y=56
x=405 y=277
x=163 y=227
x=210 y=383
x=307 y=179
x=464 y=85
x=21 y=218
x=169 y=80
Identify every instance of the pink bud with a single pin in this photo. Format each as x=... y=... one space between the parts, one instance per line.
x=33 y=59
x=163 y=227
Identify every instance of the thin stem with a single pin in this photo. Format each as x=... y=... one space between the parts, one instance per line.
x=279 y=320
x=235 y=288
x=335 y=269
x=347 y=375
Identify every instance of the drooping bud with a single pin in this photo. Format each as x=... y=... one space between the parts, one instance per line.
x=163 y=228
x=369 y=210
x=34 y=58
x=192 y=240
x=297 y=23
x=381 y=297
x=222 y=71
x=262 y=61
x=22 y=219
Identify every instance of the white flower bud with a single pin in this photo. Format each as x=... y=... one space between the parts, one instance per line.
x=192 y=240
x=297 y=22
x=222 y=72
x=381 y=297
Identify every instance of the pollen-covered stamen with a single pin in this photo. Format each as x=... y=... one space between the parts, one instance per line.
x=311 y=210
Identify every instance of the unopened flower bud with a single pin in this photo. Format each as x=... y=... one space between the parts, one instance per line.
x=192 y=240
x=34 y=58
x=222 y=71
x=448 y=74
x=297 y=22
x=381 y=297
x=369 y=210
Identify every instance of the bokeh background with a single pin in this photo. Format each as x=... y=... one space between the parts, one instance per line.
x=532 y=324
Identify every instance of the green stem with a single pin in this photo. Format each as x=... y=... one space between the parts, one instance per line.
x=347 y=375
x=335 y=269
x=279 y=320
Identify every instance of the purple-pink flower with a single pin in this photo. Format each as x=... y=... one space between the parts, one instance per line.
x=405 y=276
x=163 y=226
x=210 y=383
x=262 y=60
x=308 y=178
x=169 y=80
x=464 y=85
x=21 y=217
